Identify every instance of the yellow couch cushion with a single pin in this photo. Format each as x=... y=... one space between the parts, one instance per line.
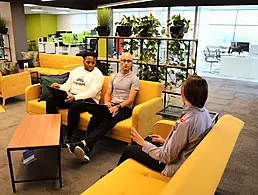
x=35 y=107
x=58 y=61
x=130 y=178
x=45 y=71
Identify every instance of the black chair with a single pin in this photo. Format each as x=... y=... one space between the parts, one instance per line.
x=93 y=44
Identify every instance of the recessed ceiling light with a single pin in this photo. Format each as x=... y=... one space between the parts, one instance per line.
x=47 y=0
x=64 y=12
x=30 y=5
x=122 y=3
x=62 y=8
x=36 y=10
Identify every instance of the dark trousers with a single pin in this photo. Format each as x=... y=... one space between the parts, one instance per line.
x=135 y=152
x=100 y=124
x=74 y=110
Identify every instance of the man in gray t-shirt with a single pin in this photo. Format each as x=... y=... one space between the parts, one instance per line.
x=119 y=98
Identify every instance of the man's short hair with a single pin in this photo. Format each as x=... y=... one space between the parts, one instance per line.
x=87 y=53
x=196 y=90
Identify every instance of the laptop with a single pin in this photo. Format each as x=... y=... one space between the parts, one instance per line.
x=99 y=109
x=58 y=95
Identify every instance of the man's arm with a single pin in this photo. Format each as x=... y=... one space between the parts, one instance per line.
x=94 y=88
x=107 y=97
x=130 y=99
x=173 y=146
x=67 y=86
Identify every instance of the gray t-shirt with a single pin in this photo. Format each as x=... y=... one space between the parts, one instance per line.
x=121 y=85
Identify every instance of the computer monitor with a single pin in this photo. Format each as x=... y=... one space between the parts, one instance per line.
x=67 y=38
x=244 y=46
x=93 y=32
x=254 y=50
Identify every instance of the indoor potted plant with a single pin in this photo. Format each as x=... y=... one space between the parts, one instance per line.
x=124 y=27
x=104 y=17
x=3 y=24
x=178 y=26
x=146 y=26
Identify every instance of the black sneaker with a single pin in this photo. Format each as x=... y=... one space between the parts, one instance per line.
x=68 y=140
x=82 y=153
x=71 y=146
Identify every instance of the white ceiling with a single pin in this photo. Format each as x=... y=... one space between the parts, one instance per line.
x=51 y=10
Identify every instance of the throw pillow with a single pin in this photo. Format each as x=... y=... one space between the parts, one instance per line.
x=29 y=61
x=7 y=68
x=58 y=76
x=47 y=81
x=31 y=54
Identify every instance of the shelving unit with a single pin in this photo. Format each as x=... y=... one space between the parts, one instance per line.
x=5 y=47
x=162 y=56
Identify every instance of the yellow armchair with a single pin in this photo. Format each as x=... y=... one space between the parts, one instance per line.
x=199 y=175
x=14 y=84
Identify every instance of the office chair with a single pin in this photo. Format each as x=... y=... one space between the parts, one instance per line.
x=210 y=58
x=93 y=45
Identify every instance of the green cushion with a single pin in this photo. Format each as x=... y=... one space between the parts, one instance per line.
x=47 y=81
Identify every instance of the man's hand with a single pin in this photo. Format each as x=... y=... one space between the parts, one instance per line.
x=157 y=138
x=70 y=98
x=55 y=85
x=113 y=109
x=136 y=137
x=108 y=104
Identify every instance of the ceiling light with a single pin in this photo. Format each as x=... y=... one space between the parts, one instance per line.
x=62 y=8
x=64 y=12
x=36 y=10
x=30 y=5
x=122 y=3
x=47 y=0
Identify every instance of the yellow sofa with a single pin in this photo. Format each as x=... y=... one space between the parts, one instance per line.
x=148 y=101
x=13 y=84
x=52 y=64
x=199 y=175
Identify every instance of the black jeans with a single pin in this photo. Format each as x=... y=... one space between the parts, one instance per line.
x=74 y=110
x=100 y=124
x=135 y=152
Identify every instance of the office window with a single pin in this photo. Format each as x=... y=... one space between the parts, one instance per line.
x=82 y=22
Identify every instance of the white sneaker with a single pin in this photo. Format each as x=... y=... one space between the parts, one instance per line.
x=80 y=154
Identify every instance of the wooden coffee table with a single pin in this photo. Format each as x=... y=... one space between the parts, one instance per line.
x=40 y=133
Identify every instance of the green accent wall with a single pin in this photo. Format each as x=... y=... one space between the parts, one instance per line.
x=40 y=25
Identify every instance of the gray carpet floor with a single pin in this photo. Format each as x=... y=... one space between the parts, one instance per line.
x=225 y=96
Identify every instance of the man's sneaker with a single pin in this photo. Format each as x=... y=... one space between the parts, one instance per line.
x=82 y=154
x=71 y=146
x=67 y=140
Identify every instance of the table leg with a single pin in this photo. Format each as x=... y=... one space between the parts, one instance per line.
x=11 y=169
x=59 y=165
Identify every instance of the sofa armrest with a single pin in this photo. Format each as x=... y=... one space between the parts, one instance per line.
x=72 y=66
x=144 y=116
x=15 y=84
x=163 y=127
x=31 y=93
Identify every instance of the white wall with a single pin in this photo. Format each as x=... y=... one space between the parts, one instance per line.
x=5 y=10
x=64 y=22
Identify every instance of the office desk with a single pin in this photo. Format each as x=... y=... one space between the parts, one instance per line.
x=239 y=66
